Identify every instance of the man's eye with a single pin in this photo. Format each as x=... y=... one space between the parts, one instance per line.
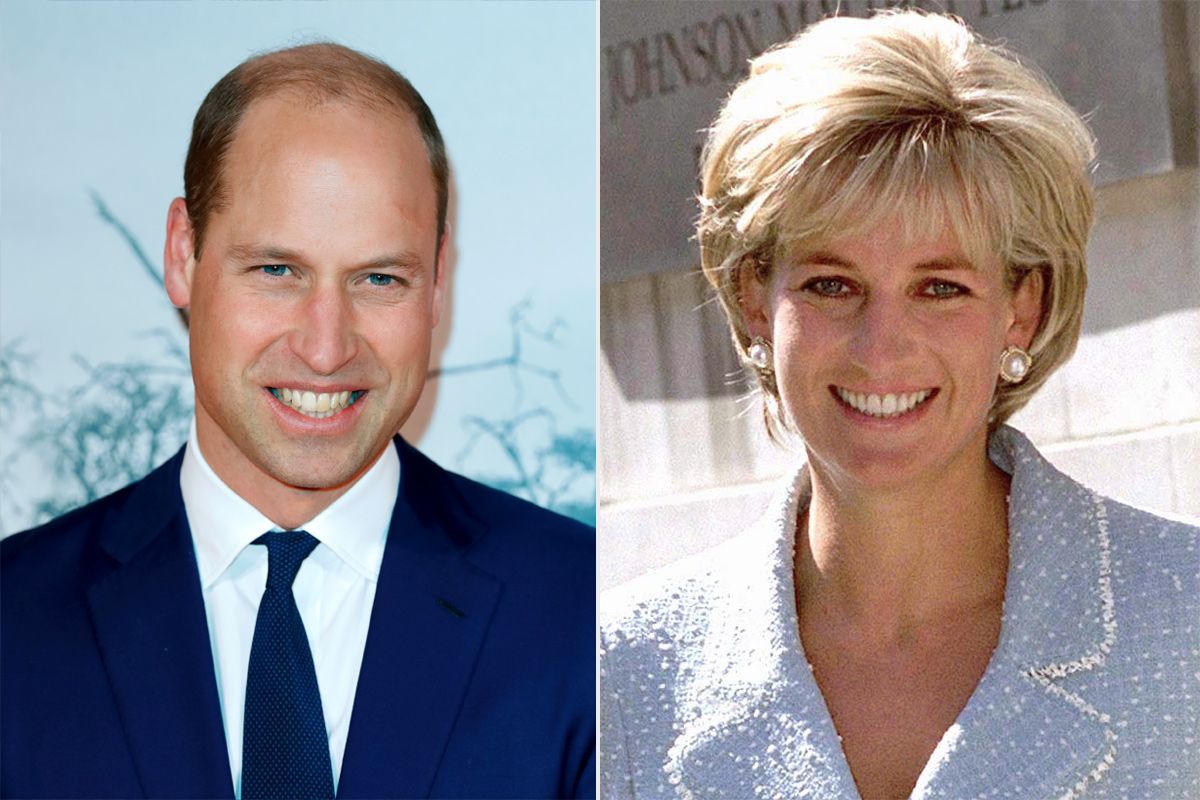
x=378 y=279
x=275 y=270
x=827 y=287
x=943 y=290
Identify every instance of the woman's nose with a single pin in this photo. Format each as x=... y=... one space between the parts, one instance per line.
x=882 y=334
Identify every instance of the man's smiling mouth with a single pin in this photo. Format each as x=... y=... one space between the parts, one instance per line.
x=883 y=406
x=317 y=405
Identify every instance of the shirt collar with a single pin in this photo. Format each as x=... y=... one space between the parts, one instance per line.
x=354 y=527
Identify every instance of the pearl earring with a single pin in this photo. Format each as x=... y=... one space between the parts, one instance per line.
x=1014 y=364
x=760 y=353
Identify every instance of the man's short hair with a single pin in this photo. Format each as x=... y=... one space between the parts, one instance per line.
x=320 y=72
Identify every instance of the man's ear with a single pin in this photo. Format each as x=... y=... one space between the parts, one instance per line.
x=753 y=297
x=1025 y=309
x=179 y=262
x=440 y=269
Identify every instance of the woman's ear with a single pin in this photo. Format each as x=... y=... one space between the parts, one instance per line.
x=753 y=297
x=1025 y=307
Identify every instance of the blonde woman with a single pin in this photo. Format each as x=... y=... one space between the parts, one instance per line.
x=895 y=218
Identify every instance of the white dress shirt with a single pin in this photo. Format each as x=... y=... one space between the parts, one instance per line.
x=334 y=589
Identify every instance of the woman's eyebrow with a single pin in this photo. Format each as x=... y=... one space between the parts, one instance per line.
x=948 y=263
x=824 y=258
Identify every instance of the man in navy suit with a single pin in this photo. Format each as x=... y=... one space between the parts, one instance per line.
x=450 y=626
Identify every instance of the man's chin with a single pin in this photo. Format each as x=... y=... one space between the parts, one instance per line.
x=316 y=471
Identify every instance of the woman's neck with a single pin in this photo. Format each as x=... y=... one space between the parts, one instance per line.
x=887 y=563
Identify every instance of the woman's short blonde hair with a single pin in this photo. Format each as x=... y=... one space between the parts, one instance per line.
x=855 y=119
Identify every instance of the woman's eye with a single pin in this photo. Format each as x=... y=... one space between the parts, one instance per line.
x=275 y=270
x=827 y=287
x=943 y=289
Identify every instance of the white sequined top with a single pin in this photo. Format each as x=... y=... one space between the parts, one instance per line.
x=1094 y=687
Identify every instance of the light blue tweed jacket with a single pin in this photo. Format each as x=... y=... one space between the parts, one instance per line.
x=1094 y=687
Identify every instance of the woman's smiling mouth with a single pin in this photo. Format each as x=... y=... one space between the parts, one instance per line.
x=317 y=405
x=883 y=406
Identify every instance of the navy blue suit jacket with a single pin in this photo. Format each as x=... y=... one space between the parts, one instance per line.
x=478 y=678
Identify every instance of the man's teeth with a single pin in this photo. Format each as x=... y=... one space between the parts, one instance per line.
x=888 y=405
x=312 y=404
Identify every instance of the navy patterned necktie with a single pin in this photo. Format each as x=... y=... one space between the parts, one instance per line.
x=285 y=750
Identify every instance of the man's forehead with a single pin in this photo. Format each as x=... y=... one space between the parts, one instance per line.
x=276 y=130
x=283 y=132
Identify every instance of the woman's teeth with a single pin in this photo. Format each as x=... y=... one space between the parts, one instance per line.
x=883 y=406
x=312 y=404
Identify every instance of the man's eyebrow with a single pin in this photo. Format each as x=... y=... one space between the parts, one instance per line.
x=404 y=260
x=243 y=252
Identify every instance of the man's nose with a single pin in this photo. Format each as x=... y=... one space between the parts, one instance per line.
x=325 y=337
x=882 y=334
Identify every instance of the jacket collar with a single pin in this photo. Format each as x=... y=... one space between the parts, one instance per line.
x=766 y=729
x=431 y=612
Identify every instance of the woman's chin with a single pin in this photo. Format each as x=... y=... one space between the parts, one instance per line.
x=876 y=454
x=872 y=469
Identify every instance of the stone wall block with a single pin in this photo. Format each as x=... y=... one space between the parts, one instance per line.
x=1137 y=377
x=1185 y=468
x=1133 y=470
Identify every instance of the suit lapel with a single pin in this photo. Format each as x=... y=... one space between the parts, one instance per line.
x=1029 y=730
x=760 y=727
x=1016 y=735
x=428 y=623
x=1031 y=727
x=147 y=611
x=776 y=741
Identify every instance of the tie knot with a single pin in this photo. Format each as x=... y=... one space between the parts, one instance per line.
x=286 y=551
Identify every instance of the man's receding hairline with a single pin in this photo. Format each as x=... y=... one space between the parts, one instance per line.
x=396 y=112
x=314 y=74
x=400 y=113
x=314 y=101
